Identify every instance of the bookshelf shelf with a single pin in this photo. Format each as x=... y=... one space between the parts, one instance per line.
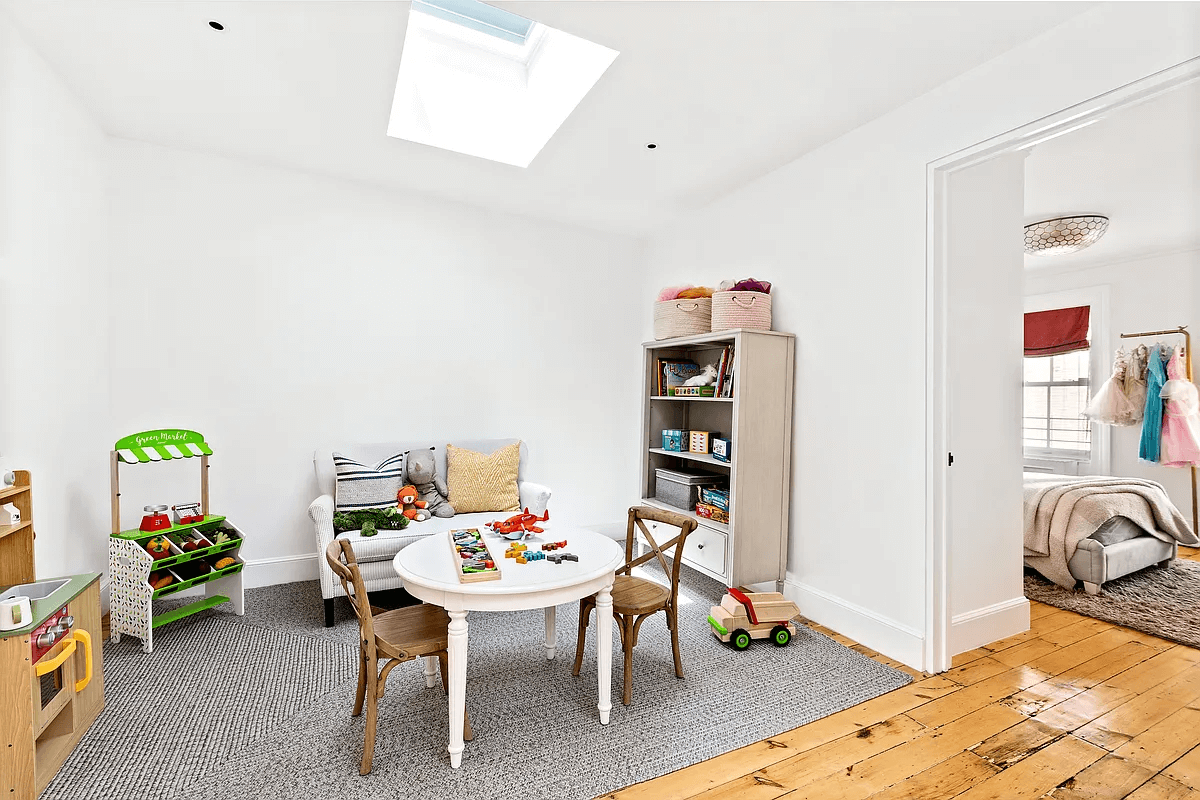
x=757 y=419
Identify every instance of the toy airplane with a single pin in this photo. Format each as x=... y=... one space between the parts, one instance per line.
x=519 y=526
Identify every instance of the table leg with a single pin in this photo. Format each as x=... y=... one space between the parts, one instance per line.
x=431 y=669
x=457 y=656
x=604 y=616
x=551 y=613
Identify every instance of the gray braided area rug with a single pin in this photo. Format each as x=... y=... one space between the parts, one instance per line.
x=229 y=708
x=1158 y=601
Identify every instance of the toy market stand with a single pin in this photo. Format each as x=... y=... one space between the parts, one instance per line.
x=201 y=551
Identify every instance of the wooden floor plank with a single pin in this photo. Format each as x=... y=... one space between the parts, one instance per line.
x=1110 y=778
x=947 y=779
x=1123 y=723
x=976 y=671
x=1077 y=631
x=1105 y=665
x=1186 y=770
x=1160 y=787
x=1154 y=671
x=976 y=696
x=798 y=771
x=1164 y=742
x=1032 y=777
x=892 y=766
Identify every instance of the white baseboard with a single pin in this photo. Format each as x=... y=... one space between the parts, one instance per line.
x=284 y=569
x=887 y=636
x=988 y=624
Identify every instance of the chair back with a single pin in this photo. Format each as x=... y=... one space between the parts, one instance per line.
x=685 y=525
x=340 y=556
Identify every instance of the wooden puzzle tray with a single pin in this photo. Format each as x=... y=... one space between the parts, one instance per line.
x=471 y=557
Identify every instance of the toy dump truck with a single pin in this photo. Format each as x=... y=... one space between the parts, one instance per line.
x=758 y=615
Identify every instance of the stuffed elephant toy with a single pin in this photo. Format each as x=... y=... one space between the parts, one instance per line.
x=431 y=487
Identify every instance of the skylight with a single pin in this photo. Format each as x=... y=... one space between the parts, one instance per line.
x=479 y=80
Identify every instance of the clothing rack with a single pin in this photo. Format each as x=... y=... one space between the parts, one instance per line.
x=1187 y=352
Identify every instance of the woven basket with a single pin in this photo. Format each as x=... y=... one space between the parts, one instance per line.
x=674 y=318
x=741 y=310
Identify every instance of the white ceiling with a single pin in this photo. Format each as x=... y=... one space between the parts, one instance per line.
x=729 y=90
x=1139 y=167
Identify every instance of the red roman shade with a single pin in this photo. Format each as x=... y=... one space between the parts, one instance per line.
x=1060 y=330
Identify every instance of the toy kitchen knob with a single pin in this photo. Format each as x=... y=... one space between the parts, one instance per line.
x=44 y=640
x=66 y=622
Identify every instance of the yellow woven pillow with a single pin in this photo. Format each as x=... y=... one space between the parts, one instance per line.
x=479 y=482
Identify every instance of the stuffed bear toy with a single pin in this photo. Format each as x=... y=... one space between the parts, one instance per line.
x=431 y=487
x=410 y=506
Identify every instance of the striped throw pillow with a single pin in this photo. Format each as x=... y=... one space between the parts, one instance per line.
x=360 y=486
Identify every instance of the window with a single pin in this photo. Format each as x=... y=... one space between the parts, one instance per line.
x=1056 y=393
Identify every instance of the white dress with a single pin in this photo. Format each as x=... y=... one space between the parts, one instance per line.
x=1111 y=405
x=1135 y=381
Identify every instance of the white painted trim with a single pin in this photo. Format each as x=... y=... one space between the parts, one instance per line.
x=988 y=624
x=282 y=569
x=887 y=636
x=1099 y=356
x=936 y=648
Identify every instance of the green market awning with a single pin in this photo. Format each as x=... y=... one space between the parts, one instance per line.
x=161 y=445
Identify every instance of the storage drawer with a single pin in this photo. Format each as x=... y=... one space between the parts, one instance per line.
x=706 y=547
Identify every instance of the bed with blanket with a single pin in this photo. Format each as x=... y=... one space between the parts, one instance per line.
x=1096 y=528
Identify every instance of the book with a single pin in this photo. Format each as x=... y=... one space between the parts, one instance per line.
x=675 y=373
x=721 y=372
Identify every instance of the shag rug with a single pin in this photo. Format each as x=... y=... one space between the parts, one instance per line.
x=1160 y=601
x=259 y=706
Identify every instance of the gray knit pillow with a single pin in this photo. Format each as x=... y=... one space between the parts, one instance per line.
x=360 y=486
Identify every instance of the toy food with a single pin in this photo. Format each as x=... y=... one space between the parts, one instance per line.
x=410 y=505
x=158 y=547
x=225 y=562
x=221 y=538
x=160 y=579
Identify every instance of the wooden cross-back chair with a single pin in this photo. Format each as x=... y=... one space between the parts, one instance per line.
x=390 y=636
x=635 y=598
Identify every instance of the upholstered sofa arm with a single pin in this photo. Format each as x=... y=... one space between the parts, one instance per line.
x=534 y=496
x=320 y=511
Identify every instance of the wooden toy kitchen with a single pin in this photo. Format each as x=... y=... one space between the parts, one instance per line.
x=51 y=658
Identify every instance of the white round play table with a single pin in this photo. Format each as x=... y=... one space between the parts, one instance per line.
x=430 y=574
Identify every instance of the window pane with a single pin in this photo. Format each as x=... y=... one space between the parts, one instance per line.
x=1070 y=366
x=1037 y=369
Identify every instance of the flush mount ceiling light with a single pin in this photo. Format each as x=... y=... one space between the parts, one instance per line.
x=1064 y=234
x=216 y=26
x=482 y=81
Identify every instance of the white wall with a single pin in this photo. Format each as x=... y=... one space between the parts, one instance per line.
x=54 y=354
x=842 y=233
x=276 y=312
x=1153 y=293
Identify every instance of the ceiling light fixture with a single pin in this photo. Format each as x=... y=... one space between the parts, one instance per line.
x=1064 y=234
x=651 y=146
x=482 y=81
x=216 y=26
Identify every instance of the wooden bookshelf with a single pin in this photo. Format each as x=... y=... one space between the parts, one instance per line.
x=16 y=541
x=757 y=419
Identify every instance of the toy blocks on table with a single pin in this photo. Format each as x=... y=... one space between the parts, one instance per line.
x=515 y=550
x=558 y=558
x=552 y=546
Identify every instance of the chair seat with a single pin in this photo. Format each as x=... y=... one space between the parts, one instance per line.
x=415 y=630
x=633 y=595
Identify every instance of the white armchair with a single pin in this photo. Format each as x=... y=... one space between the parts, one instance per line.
x=375 y=553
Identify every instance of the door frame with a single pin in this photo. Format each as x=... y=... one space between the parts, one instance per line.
x=938 y=566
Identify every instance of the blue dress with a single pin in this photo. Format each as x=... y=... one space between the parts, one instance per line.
x=1156 y=376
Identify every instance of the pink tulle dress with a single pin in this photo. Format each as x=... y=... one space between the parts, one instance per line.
x=1181 y=417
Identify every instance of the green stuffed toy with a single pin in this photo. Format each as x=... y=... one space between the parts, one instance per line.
x=370 y=521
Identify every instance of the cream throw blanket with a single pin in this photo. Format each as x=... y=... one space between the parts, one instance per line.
x=1061 y=511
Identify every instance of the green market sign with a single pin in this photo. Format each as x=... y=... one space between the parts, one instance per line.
x=161 y=445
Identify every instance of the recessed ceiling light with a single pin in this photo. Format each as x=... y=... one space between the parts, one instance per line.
x=483 y=81
x=216 y=26
x=651 y=146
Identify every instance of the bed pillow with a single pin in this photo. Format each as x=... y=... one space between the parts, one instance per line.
x=360 y=486
x=480 y=482
x=1117 y=530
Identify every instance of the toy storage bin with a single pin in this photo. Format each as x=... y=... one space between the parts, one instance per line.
x=673 y=318
x=741 y=310
x=681 y=489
